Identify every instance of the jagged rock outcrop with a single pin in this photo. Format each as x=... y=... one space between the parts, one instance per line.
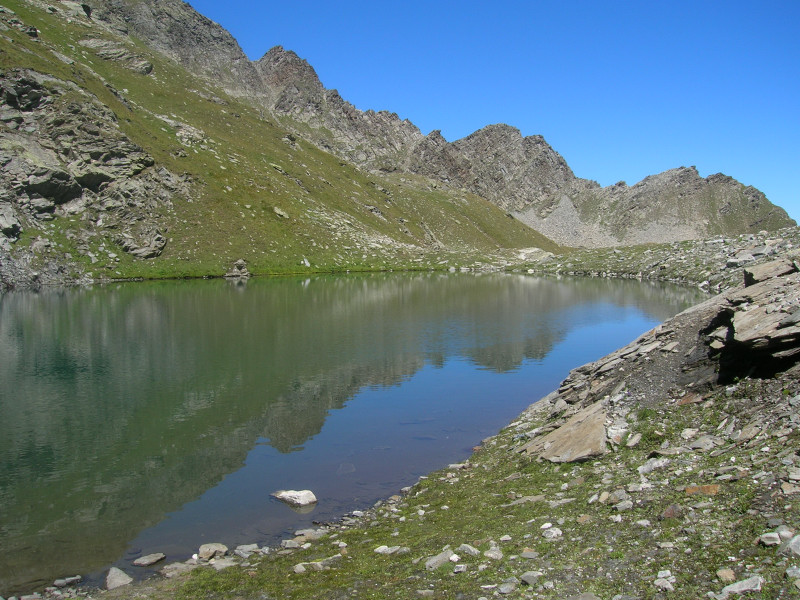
x=750 y=331
x=175 y=29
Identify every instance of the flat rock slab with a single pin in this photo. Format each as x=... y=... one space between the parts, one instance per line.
x=582 y=437
x=150 y=559
x=177 y=568
x=769 y=270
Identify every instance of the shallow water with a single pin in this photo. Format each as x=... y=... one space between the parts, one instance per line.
x=151 y=417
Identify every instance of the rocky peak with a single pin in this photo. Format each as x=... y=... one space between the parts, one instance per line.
x=175 y=29
x=280 y=68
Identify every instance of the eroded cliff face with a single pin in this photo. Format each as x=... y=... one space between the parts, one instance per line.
x=64 y=155
x=175 y=29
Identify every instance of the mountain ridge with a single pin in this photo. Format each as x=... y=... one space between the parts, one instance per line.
x=138 y=140
x=523 y=175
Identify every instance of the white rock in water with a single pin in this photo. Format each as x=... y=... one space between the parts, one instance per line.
x=297 y=498
x=117 y=578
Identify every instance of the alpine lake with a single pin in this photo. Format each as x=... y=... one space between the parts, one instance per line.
x=158 y=416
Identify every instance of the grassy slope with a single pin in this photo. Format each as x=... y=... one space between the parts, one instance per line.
x=245 y=168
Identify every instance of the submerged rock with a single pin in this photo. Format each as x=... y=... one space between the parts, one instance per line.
x=150 y=559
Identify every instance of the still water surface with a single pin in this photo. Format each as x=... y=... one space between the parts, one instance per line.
x=155 y=417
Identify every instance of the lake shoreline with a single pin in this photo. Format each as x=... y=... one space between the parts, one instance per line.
x=694 y=393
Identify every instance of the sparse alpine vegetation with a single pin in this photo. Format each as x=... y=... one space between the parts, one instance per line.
x=119 y=163
x=137 y=141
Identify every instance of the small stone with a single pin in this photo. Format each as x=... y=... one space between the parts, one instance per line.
x=753 y=584
x=224 y=563
x=246 y=550
x=634 y=440
x=460 y=569
x=494 y=553
x=726 y=575
x=624 y=505
x=794 y=545
x=507 y=588
x=552 y=534
x=653 y=464
x=664 y=584
x=689 y=433
x=770 y=539
x=792 y=573
x=434 y=562
x=176 y=569
x=666 y=545
x=789 y=488
x=467 y=549
x=117 y=578
x=530 y=577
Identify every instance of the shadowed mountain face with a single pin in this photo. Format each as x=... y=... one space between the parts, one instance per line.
x=125 y=403
x=522 y=175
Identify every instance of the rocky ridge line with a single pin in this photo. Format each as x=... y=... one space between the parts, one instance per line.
x=522 y=175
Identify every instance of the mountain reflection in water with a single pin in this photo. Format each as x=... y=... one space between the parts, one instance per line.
x=162 y=414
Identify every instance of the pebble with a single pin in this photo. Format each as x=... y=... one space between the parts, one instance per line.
x=507 y=588
x=530 y=577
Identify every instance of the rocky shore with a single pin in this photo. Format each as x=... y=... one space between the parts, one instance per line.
x=667 y=469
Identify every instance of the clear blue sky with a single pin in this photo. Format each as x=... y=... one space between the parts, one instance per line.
x=620 y=89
